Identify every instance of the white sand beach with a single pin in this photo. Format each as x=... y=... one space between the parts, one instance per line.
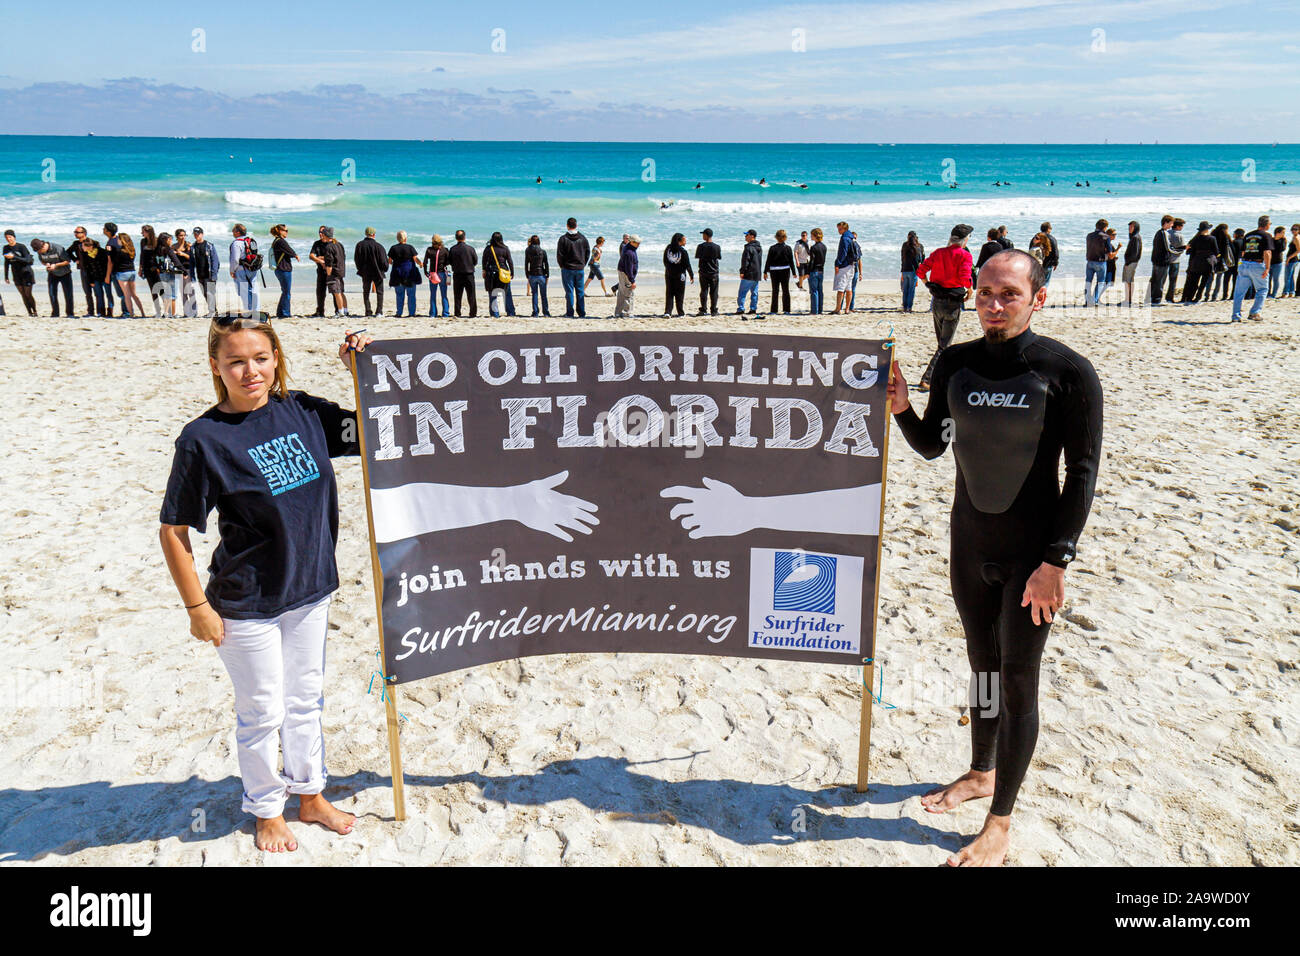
x=1170 y=685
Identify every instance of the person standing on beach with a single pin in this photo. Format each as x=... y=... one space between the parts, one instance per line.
x=1226 y=268
x=19 y=271
x=751 y=273
x=1252 y=270
x=463 y=262
x=245 y=268
x=947 y=274
x=498 y=271
x=1014 y=529
x=594 y=272
x=1132 y=256
x=628 y=264
x=1160 y=259
x=282 y=260
x=185 y=282
x=437 y=267
x=58 y=274
x=1176 y=249
x=89 y=287
x=207 y=266
x=677 y=266
x=708 y=254
x=571 y=253
x=1052 y=255
x=406 y=277
x=1202 y=255
x=331 y=267
x=1274 y=269
x=371 y=264
x=1292 y=260
x=1097 y=247
x=537 y=270
x=845 y=269
x=266 y=605
x=801 y=256
x=779 y=265
x=913 y=254
x=149 y=270
x=121 y=258
x=857 y=272
x=1002 y=238
x=816 y=273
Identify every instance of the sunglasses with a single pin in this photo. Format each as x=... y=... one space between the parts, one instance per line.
x=241 y=320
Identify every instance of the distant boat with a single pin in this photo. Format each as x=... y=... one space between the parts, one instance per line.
x=90 y=134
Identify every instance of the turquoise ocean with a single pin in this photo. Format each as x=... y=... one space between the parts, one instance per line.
x=48 y=185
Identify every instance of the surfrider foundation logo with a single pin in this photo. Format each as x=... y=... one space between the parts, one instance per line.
x=804 y=582
x=805 y=600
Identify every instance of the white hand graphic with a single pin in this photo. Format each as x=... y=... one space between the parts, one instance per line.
x=423 y=507
x=716 y=510
x=719 y=510
x=542 y=508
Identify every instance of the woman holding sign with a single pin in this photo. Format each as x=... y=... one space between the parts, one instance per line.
x=261 y=458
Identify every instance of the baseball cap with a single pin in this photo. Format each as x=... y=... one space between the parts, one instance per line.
x=751 y=233
x=636 y=240
x=707 y=232
x=961 y=231
x=1205 y=224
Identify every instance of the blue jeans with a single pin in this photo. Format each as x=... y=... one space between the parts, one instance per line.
x=103 y=297
x=1096 y=270
x=907 y=280
x=748 y=287
x=284 y=308
x=405 y=293
x=574 y=299
x=815 y=292
x=1250 y=275
x=537 y=286
x=246 y=287
x=1274 y=279
x=510 y=301
x=1047 y=276
x=853 y=292
x=1288 y=278
x=439 y=289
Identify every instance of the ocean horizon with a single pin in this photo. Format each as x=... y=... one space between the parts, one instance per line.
x=49 y=184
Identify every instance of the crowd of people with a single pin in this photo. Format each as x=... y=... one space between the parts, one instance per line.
x=178 y=274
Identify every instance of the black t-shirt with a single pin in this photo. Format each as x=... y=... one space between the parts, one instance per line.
x=268 y=474
x=122 y=262
x=709 y=256
x=1255 y=244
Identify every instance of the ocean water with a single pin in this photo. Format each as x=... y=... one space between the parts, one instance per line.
x=50 y=184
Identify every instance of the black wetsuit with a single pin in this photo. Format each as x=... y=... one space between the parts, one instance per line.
x=1014 y=407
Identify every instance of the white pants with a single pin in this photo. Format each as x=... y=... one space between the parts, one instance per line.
x=278 y=669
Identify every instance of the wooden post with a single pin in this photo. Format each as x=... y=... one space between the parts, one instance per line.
x=390 y=690
x=869 y=662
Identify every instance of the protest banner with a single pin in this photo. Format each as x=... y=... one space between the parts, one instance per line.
x=666 y=492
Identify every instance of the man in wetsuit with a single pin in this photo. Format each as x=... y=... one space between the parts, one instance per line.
x=1011 y=403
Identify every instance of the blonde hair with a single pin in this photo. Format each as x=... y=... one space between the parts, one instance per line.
x=817 y=234
x=401 y=235
x=217 y=333
x=437 y=240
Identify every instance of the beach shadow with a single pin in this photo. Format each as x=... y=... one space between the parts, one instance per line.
x=1194 y=322
x=66 y=820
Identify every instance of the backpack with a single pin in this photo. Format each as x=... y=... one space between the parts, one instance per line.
x=251 y=260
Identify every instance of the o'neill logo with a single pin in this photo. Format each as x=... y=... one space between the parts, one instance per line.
x=805 y=601
x=76 y=908
x=997 y=400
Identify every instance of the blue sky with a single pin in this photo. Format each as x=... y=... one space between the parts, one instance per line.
x=931 y=70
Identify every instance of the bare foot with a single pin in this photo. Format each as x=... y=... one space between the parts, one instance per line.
x=969 y=786
x=274 y=835
x=987 y=849
x=314 y=808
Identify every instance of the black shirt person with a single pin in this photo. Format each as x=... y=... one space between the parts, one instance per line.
x=1011 y=403
x=260 y=458
x=708 y=254
x=463 y=259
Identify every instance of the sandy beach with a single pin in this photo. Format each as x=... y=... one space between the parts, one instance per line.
x=1170 y=683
